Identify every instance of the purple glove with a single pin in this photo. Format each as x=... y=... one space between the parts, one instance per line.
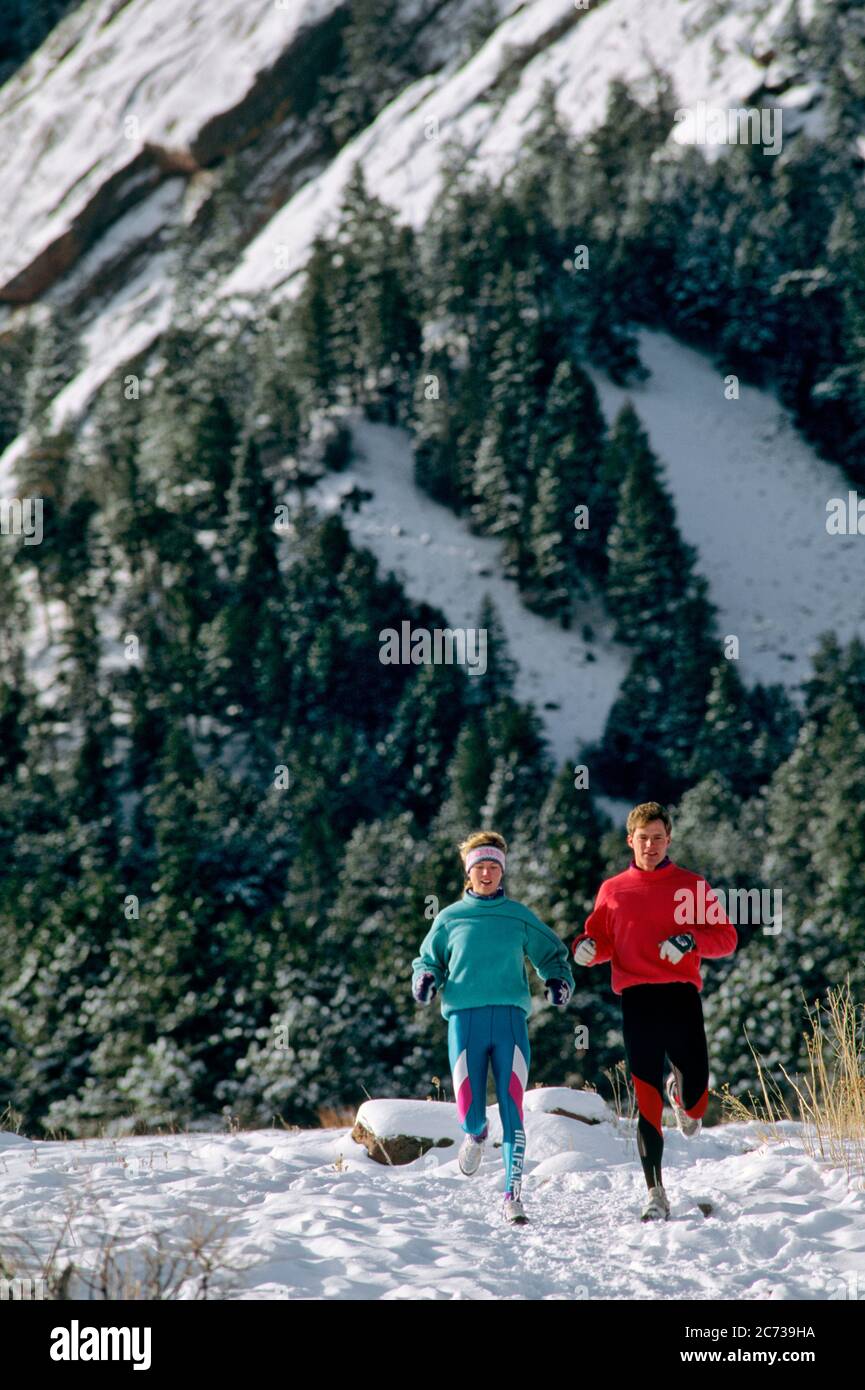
x=424 y=988
x=557 y=992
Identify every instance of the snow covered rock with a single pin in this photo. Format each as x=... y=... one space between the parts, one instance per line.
x=587 y=1106
x=117 y=99
x=399 y=1131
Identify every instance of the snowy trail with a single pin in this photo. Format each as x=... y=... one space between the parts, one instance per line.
x=783 y=1226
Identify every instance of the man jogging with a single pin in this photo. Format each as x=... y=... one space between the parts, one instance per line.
x=637 y=925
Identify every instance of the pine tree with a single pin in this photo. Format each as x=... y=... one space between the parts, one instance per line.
x=53 y=363
x=565 y=456
x=375 y=331
x=515 y=385
x=436 y=468
x=544 y=185
x=469 y=773
x=216 y=438
x=424 y=730
x=551 y=545
x=775 y=721
x=15 y=357
x=378 y=59
x=245 y=651
x=717 y=833
x=839 y=848
x=725 y=738
x=834 y=668
x=650 y=569
x=315 y=321
x=499 y=678
x=281 y=405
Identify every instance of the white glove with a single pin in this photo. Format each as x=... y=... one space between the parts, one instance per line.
x=586 y=952
x=675 y=947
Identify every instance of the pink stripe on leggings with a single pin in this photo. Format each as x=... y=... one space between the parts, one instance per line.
x=464 y=1099
x=515 y=1091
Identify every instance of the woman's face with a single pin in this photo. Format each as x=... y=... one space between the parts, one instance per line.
x=486 y=876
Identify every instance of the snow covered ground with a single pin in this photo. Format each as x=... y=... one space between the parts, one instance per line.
x=307 y=1214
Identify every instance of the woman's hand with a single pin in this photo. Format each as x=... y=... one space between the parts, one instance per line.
x=557 y=992
x=424 y=988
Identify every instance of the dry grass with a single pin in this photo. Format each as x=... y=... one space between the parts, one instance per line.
x=191 y=1263
x=329 y=1117
x=624 y=1097
x=830 y=1097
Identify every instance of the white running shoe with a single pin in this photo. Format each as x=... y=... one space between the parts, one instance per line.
x=687 y=1124
x=512 y=1210
x=472 y=1151
x=657 y=1208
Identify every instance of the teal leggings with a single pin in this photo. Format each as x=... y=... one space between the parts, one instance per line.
x=494 y=1033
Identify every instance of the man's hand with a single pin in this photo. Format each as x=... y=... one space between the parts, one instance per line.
x=677 y=946
x=586 y=951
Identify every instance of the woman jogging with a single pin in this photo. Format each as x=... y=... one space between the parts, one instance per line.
x=636 y=924
x=473 y=955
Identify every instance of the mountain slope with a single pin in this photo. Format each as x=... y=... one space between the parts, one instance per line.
x=93 y=132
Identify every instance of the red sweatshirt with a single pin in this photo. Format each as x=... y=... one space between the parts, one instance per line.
x=637 y=909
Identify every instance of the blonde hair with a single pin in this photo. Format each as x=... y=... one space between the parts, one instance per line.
x=646 y=811
x=480 y=837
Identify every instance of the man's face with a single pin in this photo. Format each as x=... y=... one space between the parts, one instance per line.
x=486 y=876
x=649 y=843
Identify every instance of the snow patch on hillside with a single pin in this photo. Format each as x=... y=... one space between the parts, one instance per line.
x=571 y=681
x=751 y=495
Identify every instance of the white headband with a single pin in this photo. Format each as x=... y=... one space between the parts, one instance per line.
x=481 y=852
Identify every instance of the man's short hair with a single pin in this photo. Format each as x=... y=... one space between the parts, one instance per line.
x=646 y=811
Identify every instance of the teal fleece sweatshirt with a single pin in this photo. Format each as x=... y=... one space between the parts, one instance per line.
x=475 y=948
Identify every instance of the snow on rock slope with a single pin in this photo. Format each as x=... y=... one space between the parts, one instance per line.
x=571 y=681
x=197 y=81
x=117 y=95
x=307 y=1214
x=751 y=496
x=715 y=53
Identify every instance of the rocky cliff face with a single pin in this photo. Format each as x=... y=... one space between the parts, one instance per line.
x=122 y=128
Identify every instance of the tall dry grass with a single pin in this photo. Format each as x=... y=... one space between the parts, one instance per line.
x=829 y=1099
